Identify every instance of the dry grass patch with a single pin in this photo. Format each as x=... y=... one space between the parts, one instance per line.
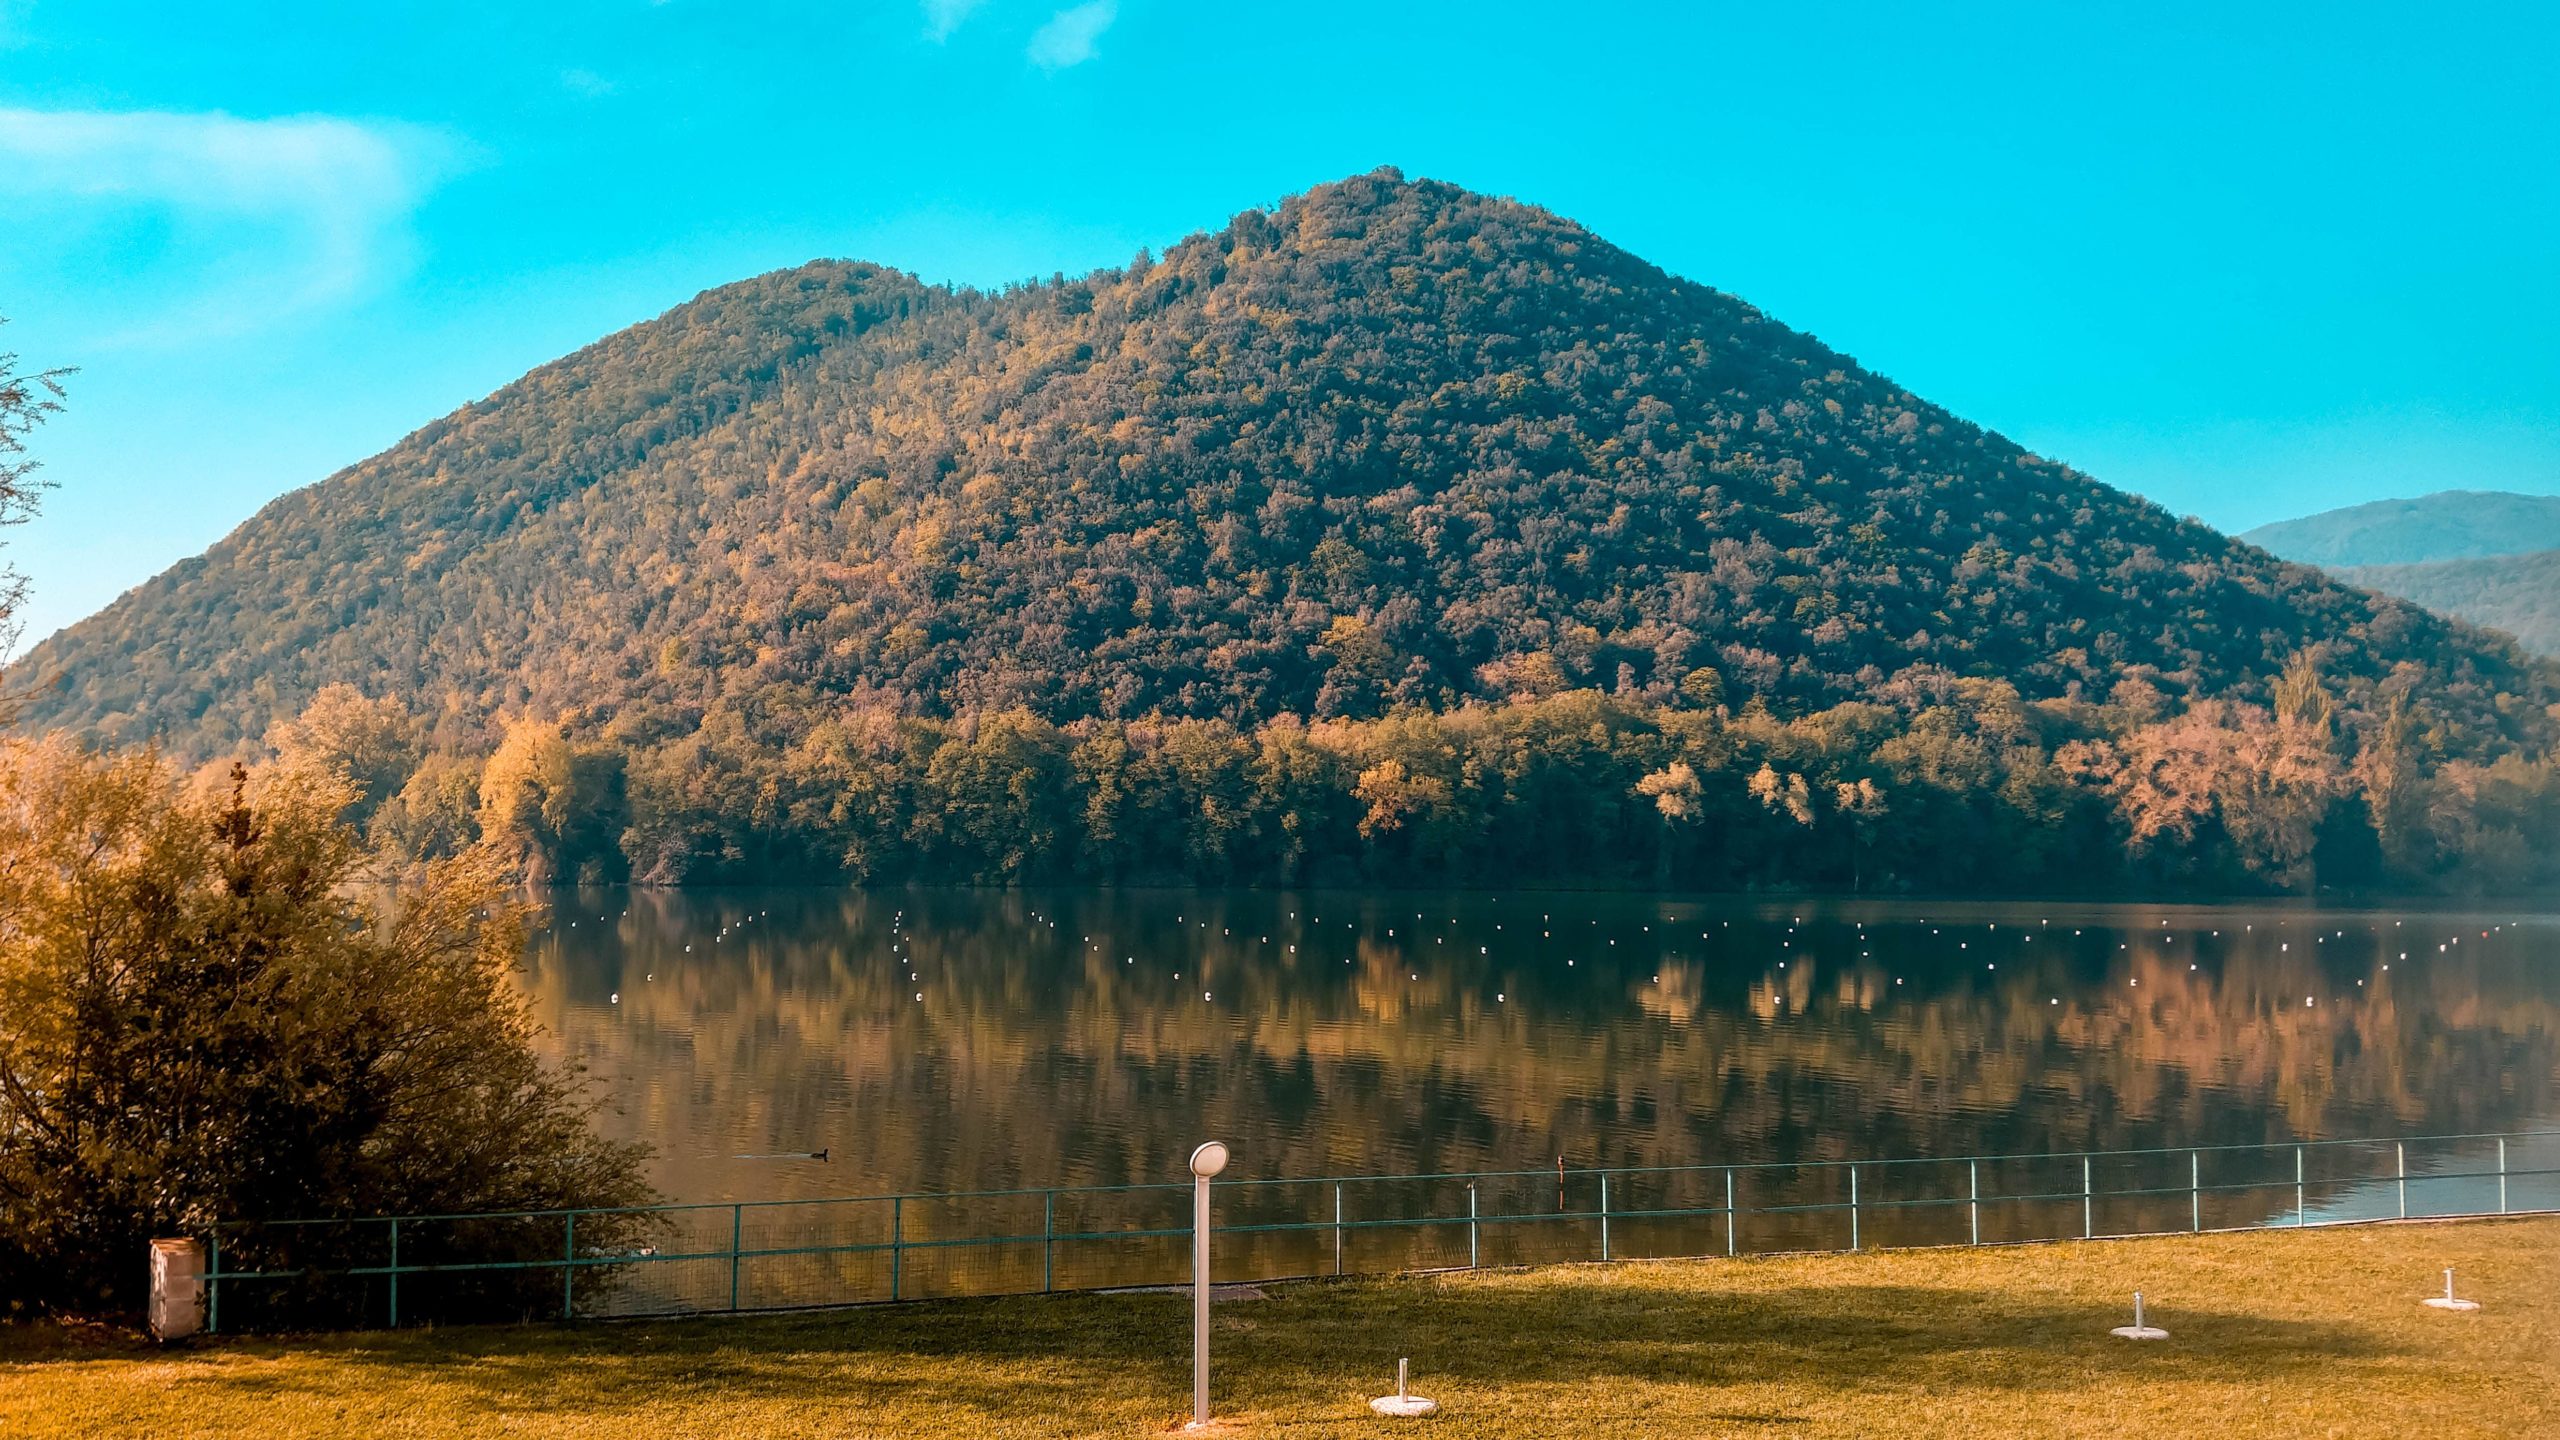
x=2272 y=1334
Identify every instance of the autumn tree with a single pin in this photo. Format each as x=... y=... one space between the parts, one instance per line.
x=1783 y=793
x=373 y=744
x=2386 y=773
x=1002 y=787
x=553 y=807
x=27 y=397
x=436 y=814
x=1861 y=802
x=1674 y=791
x=2280 y=798
x=200 y=1021
x=1676 y=796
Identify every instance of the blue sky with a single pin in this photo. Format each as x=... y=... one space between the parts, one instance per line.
x=2250 y=261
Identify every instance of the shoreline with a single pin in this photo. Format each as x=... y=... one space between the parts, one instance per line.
x=2274 y=1333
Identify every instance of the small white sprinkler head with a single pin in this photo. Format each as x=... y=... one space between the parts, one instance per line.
x=1404 y=1404
x=2446 y=1301
x=2139 y=1329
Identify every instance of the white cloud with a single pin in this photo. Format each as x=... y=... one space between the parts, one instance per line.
x=941 y=17
x=1068 y=37
x=586 y=83
x=325 y=201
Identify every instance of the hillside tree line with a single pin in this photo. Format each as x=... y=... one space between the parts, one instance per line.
x=1962 y=786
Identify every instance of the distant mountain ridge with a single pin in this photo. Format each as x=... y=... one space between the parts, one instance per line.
x=2489 y=557
x=1389 y=446
x=2518 y=594
x=2448 y=525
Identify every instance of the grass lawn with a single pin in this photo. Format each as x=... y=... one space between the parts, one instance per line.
x=2271 y=1333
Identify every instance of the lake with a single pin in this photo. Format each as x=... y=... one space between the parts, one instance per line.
x=959 y=1039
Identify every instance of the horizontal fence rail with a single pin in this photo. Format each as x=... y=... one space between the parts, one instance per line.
x=698 y=1259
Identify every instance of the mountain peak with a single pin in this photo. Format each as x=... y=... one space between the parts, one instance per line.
x=1390 y=444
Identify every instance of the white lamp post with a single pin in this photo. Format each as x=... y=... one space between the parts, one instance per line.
x=1206 y=1163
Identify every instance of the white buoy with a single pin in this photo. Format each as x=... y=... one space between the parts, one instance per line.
x=2138 y=1330
x=2446 y=1301
x=1404 y=1405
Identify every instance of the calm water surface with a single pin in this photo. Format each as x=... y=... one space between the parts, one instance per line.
x=952 y=1039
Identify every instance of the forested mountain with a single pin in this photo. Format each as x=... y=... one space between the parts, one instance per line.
x=2519 y=594
x=2449 y=525
x=1394 y=531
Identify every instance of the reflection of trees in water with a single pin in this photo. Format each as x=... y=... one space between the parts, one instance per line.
x=1040 y=1055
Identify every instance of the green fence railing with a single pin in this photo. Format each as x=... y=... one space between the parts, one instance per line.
x=696 y=1259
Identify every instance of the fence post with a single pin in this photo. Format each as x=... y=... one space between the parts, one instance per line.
x=1337 y=1227
x=2088 y=1201
x=897 y=1242
x=737 y=1245
x=1853 y=1207
x=395 y=1272
x=1473 y=1253
x=2502 y=1174
x=2195 y=1191
x=1048 y=1241
x=2300 y=1209
x=2400 y=1168
x=569 y=1266
x=1604 y=1214
x=213 y=1280
x=1731 y=1215
x=1973 y=1197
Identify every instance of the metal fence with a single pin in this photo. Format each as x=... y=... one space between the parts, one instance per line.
x=795 y=1254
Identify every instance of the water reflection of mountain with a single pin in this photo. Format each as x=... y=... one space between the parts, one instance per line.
x=1092 y=1037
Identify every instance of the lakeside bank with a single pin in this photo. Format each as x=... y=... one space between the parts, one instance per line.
x=2272 y=1333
